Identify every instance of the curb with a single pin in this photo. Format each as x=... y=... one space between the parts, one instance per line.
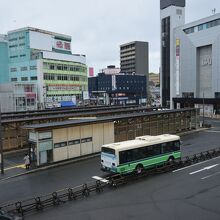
x=192 y=131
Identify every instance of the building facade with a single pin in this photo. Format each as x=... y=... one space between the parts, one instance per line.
x=172 y=15
x=121 y=89
x=45 y=59
x=111 y=70
x=134 y=58
x=194 y=63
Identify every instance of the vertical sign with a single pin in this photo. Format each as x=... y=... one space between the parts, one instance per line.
x=114 y=82
x=177 y=66
x=91 y=71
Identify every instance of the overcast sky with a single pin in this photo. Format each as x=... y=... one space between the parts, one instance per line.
x=98 y=27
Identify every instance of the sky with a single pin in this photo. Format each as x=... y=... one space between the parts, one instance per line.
x=99 y=27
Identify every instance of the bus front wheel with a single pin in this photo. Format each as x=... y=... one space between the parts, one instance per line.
x=139 y=168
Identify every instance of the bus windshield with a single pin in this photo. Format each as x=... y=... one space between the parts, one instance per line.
x=108 y=150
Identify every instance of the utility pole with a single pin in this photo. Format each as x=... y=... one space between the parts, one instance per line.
x=203 y=115
x=1 y=145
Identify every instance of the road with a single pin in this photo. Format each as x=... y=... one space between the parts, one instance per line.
x=171 y=195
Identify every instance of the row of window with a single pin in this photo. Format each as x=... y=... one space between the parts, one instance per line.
x=16 y=45
x=65 y=88
x=23 y=68
x=72 y=142
x=64 y=67
x=202 y=26
x=16 y=56
x=15 y=79
x=14 y=39
x=149 y=151
x=64 y=77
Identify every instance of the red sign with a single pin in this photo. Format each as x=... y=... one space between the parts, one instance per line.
x=59 y=44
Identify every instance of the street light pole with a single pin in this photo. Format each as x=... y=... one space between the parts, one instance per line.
x=203 y=115
x=1 y=145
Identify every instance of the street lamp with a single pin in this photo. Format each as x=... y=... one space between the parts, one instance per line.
x=203 y=115
x=1 y=145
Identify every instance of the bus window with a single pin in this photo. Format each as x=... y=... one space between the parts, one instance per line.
x=167 y=147
x=125 y=156
x=108 y=150
x=176 y=146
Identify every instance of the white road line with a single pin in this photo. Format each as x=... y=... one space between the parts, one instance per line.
x=213 y=131
x=205 y=168
x=100 y=179
x=195 y=164
x=206 y=177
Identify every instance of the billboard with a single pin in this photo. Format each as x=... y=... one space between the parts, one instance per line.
x=62 y=45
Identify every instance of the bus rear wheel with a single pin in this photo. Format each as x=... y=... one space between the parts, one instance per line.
x=139 y=168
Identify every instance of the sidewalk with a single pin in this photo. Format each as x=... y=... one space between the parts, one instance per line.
x=15 y=167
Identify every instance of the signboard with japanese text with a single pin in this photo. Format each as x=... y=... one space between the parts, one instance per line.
x=62 y=45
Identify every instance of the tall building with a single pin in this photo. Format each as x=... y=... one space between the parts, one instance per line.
x=3 y=59
x=134 y=58
x=192 y=61
x=43 y=69
x=172 y=15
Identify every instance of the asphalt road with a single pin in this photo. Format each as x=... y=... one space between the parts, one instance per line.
x=168 y=196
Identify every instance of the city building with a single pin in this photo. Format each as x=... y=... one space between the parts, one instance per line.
x=120 y=89
x=134 y=58
x=112 y=70
x=154 y=79
x=44 y=59
x=3 y=59
x=172 y=15
x=194 y=61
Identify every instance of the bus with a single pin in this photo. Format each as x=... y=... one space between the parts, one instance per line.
x=142 y=153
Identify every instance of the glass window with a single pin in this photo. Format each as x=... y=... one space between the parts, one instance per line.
x=23 y=68
x=14 y=79
x=24 y=78
x=108 y=150
x=74 y=142
x=33 y=77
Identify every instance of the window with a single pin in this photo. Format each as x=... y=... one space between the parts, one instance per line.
x=74 y=142
x=23 y=68
x=108 y=150
x=170 y=147
x=14 y=79
x=178 y=11
x=217 y=95
x=33 y=67
x=61 y=144
x=24 y=78
x=33 y=77
x=52 y=67
x=13 y=69
x=23 y=55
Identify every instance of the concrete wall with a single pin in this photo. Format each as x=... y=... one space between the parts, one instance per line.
x=199 y=54
x=85 y=140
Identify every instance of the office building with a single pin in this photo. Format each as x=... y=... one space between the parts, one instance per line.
x=172 y=15
x=42 y=64
x=120 y=89
x=194 y=63
x=134 y=58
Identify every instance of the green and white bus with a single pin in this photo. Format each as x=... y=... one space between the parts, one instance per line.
x=142 y=153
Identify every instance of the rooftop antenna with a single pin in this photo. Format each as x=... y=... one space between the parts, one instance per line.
x=213 y=11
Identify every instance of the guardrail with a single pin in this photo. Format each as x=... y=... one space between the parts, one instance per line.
x=39 y=203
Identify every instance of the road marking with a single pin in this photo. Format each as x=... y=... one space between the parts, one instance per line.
x=14 y=167
x=213 y=131
x=205 y=168
x=100 y=179
x=195 y=164
x=206 y=177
